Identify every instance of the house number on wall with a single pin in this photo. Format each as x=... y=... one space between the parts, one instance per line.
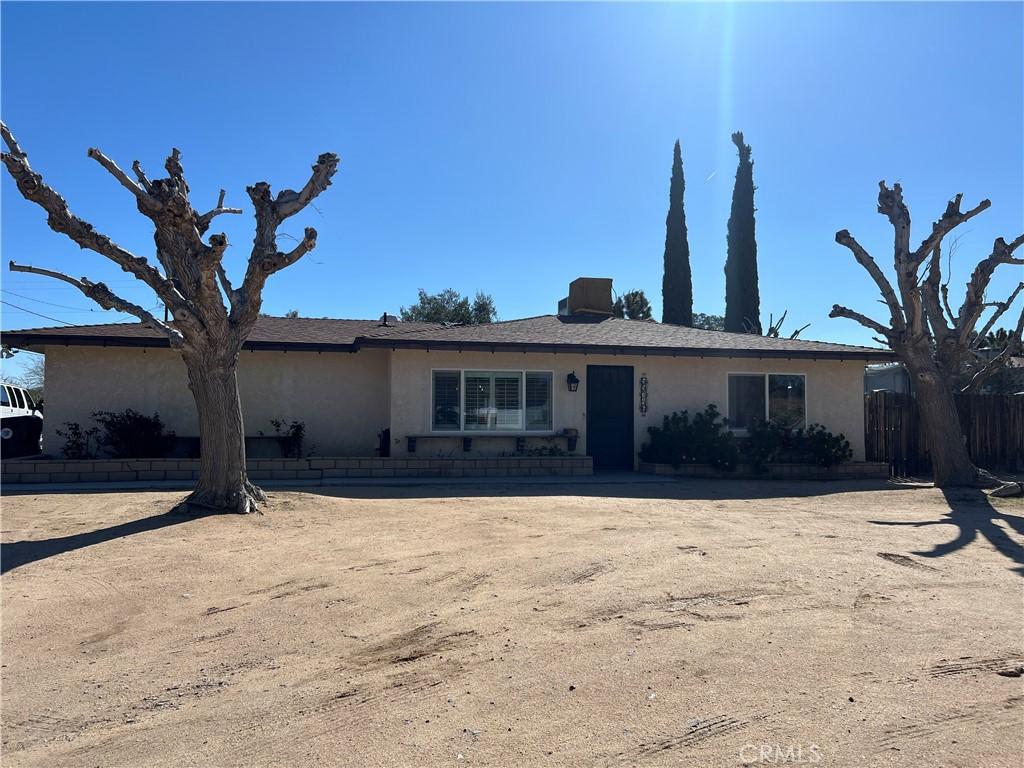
x=643 y=394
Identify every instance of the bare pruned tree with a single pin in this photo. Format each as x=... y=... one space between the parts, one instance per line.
x=934 y=342
x=212 y=317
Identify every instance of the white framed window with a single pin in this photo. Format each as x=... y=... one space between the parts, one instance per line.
x=491 y=401
x=778 y=397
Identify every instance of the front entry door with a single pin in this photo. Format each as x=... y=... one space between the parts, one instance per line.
x=610 y=416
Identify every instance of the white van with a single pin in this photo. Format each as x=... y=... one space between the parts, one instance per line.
x=21 y=422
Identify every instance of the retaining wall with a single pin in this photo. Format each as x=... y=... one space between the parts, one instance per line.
x=117 y=470
x=858 y=470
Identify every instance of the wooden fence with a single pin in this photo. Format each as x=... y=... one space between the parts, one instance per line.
x=992 y=424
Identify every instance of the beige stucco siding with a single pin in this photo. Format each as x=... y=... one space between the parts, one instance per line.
x=341 y=397
x=346 y=399
x=834 y=392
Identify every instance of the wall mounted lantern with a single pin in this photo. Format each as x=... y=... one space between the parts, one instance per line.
x=573 y=381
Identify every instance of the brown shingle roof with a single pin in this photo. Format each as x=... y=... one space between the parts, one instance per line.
x=577 y=333
x=268 y=333
x=596 y=333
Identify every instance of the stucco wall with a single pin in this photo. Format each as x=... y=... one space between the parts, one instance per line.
x=835 y=392
x=341 y=397
x=345 y=399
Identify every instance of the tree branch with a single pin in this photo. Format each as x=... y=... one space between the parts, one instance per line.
x=121 y=176
x=1001 y=308
x=950 y=219
x=931 y=289
x=103 y=296
x=1000 y=361
x=974 y=300
x=174 y=168
x=867 y=322
x=890 y=203
x=12 y=144
x=265 y=259
x=250 y=294
x=141 y=176
x=289 y=202
x=844 y=238
x=203 y=222
x=60 y=219
x=225 y=284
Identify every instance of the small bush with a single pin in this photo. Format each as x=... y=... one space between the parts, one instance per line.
x=290 y=437
x=764 y=442
x=129 y=434
x=770 y=442
x=78 y=443
x=826 y=449
x=703 y=440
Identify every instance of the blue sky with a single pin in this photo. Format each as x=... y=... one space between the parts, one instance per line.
x=514 y=147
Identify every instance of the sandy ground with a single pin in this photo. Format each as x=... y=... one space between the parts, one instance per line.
x=697 y=624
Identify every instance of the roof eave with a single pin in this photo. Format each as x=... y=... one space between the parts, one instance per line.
x=32 y=341
x=603 y=349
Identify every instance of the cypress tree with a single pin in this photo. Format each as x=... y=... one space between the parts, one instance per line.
x=742 y=299
x=676 y=285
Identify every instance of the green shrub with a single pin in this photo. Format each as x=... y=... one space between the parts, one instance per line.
x=764 y=442
x=769 y=442
x=78 y=442
x=290 y=437
x=132 y=435
x=703 y=440
x=826 y=449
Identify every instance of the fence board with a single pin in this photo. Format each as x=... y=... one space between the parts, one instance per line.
x=993 y=426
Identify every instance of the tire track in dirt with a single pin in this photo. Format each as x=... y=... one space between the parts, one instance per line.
x=1006 y=713
x=968 y=665
x=907 y=562
x=588 y=573
x=699 y=731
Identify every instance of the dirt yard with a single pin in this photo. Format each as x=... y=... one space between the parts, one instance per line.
x=697 y=624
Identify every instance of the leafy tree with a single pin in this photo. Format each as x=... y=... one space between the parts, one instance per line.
x=708 y=322
x=292 y=313
x=449 y=306
x=190 y=280
x=742 y=300
x=934 y=342
x=677 y=285
x=632 y=305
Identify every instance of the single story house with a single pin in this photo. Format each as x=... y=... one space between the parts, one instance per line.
x=581 y=380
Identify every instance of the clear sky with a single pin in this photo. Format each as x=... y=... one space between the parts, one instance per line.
x=513 y=147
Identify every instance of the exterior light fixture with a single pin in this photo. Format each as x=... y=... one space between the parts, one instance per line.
x=573 y=381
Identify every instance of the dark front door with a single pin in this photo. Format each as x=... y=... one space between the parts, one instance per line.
x=610 y=416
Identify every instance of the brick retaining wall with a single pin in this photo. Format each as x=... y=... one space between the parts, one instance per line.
x=859 y=470
x=116 y=470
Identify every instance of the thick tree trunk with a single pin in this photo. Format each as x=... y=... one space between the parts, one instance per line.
x=951 y=464
x=223 y=485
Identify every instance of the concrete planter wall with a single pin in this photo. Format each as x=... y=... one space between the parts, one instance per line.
x=119 y=470
x=860 y=470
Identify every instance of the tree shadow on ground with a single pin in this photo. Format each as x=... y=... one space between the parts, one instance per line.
x=973 y=514
x=687 y=489
x=620 y=485
x=18 y=553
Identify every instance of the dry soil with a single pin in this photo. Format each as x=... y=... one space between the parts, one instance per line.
x=698 y=624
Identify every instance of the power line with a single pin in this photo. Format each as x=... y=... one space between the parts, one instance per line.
x=49 y=303
x=37 y=314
